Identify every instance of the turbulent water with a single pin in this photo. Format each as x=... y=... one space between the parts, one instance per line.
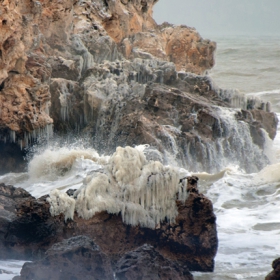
x=246 y=205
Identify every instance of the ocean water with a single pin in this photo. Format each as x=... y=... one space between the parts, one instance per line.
x=246 y=205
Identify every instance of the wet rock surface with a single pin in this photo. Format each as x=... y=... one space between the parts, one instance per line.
x=75 y=258
x=28 y=230
x=146 y=263
x=189 y=127
x=275 y=274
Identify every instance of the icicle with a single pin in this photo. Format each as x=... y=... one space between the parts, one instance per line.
x=144 y=192
x=12 y=136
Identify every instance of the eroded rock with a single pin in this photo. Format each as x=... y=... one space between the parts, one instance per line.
x=54 y=39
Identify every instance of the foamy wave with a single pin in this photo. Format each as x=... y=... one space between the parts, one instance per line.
x=53 y=163
x=269 y=174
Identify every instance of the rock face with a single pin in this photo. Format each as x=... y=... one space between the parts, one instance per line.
x=85 y=65
x=30 y=230
x=75 y=258
x=146 y=263
x=25 y=73
x=54 y=39
x=187 y=127
x=275 y=274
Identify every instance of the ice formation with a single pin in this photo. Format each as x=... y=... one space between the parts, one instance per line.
x=61 y=203
x=143 y=191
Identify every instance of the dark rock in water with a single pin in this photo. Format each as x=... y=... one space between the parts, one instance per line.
x=191 y=240
x=10 y=197
x=146 y=263
x=27 y=230
x=71 y=192
x=75 y=258
x=275 y=274
x=26 y=226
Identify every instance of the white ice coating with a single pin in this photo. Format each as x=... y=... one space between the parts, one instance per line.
x=143 y=191
x=234 y=97
x=60 y=202
x=13 y=136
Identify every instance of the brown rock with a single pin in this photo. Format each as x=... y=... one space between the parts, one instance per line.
x=267 y=121
x=181 y=45
x=24 y=98
x=62 y=39
x=275 y=274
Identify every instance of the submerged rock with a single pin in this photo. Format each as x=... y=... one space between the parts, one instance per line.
x=275 y=274
x=146 y=263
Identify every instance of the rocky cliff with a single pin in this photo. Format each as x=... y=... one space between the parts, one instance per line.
x=108 y=68
x=42 y=40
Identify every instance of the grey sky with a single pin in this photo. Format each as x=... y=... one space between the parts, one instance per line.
x=222 y=17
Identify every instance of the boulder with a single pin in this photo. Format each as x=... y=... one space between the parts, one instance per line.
x=75 y=258
x=26 y=228
x=275 y=274
x=146 y=263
